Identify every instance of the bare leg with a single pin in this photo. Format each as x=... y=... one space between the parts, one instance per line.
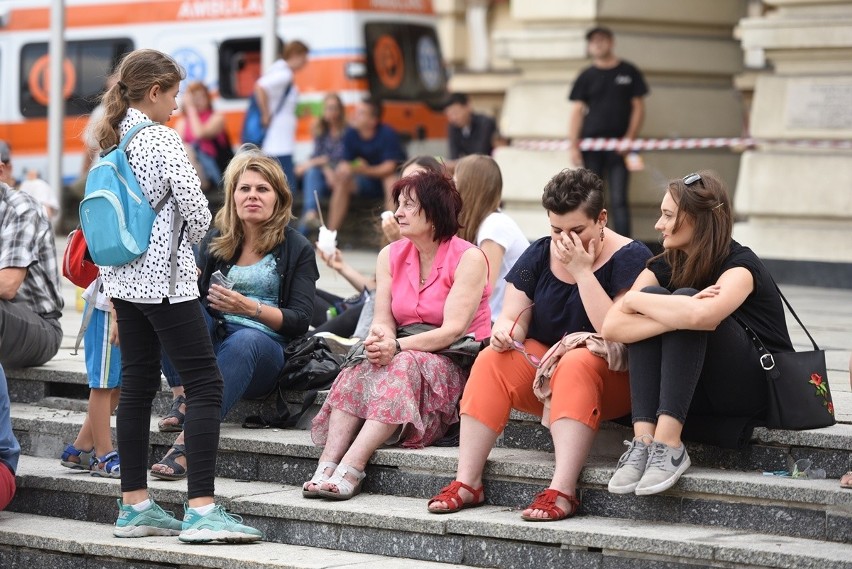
x=475 y=442
x=101 y=406
x=668 y=431
x=344 y=427
x=572 y=442
x=371 y=437
x=387 y=183
x=341 y=194
x=177 y=391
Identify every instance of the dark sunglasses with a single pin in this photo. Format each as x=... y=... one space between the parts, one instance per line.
x=690 y=179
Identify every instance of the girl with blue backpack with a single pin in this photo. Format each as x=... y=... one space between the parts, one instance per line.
x=155 y=297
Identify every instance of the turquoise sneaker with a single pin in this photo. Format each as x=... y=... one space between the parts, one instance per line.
x=153 y=521
x=218 y=525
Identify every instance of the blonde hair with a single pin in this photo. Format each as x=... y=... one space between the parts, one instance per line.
x=480 y=184
x=137 y=73
x=230 y=226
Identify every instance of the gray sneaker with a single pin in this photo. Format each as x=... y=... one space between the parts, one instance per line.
x=630 y=468
x=665 y=465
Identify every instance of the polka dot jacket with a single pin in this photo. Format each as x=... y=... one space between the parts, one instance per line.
x=160 y=163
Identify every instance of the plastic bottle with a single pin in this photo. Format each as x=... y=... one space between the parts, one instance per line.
x=330 y=313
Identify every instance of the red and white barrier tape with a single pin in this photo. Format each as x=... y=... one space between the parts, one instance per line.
x=646 y=144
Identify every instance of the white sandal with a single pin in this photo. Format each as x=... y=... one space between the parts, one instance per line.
x=318 y=478
x=345 y=489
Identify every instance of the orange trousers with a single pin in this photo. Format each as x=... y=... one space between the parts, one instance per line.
x=584 y=388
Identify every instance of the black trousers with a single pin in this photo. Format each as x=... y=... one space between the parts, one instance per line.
x=688 y=372
x=610 y=166
x=181 y=331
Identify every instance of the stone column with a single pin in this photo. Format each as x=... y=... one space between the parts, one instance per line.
x=795 y=188
x=689 y=57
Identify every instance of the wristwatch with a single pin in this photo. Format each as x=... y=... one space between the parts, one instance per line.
x=398 y=347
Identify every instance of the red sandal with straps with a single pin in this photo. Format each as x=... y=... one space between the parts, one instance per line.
x=546 y=502
x=450 y=495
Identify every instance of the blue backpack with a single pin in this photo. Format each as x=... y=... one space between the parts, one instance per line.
x=253 y=130
x=115 y=215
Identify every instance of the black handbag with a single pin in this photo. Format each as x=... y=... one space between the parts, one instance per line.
x=310 y=366
x=799 y=396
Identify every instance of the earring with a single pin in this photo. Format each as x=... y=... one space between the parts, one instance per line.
x=602 y=236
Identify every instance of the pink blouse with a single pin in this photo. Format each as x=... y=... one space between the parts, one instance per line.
x=206 y=145
x=413 y=304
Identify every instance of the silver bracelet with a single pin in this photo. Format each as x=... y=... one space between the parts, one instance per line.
x=257 y=312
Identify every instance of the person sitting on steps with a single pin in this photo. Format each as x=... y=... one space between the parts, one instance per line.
x=691 y=363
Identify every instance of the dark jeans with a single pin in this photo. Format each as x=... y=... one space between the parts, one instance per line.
x=689 y=372
x=182 y=332
x=248 y=359
x=610 y=166
x=26 y=338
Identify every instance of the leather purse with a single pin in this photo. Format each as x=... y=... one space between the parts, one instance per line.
x=799 y=396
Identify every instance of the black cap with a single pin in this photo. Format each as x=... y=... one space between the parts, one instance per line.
x=599 y=30
x=456 y=99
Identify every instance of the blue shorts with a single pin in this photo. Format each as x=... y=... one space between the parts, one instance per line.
x=367 y=187
x=103 y=360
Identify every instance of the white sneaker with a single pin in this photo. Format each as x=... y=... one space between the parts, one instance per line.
x=630 y=468
x=665 y=465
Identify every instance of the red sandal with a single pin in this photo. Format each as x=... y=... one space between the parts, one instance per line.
x=546 y=502
x=455 y=503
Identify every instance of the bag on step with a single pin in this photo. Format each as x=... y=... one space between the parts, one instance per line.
x=799 y=397
x=310 y=366
x=115 y=215
x=77 y=264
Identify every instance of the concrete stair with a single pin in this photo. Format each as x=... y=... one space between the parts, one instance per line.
x=29 y=541
x=723 y=513
x=738 y=504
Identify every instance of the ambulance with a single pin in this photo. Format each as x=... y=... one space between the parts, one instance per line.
x=387 y=49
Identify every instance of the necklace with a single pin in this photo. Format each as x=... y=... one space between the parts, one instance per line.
x=422 y=281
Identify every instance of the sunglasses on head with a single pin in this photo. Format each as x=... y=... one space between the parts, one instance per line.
x=690 y=179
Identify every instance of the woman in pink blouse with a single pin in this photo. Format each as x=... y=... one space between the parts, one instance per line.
x=432 y=291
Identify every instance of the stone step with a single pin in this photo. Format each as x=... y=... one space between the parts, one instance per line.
x=30 y=541
x=490 y=536
x=830 y=448
x=735 y=499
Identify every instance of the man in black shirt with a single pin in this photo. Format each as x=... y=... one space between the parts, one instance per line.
x=469 y=132
x=607 y=102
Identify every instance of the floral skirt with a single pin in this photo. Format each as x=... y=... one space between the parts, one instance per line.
x=418 y=391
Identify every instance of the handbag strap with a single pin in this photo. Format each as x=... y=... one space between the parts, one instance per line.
x=796 y=316
x=767 y=362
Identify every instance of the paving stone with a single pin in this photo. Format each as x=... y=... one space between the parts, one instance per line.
x=600 y=502
x=443 y=549
x=25 y=391
x=514 y=555
x=645 y=562
x=839 y=527
x=779 y=520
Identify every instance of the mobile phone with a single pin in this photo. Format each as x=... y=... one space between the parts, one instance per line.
x=218 y=278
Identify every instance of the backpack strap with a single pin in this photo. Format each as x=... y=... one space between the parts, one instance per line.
x=131 y=133
x=87 y=318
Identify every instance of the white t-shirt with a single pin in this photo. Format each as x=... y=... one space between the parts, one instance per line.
x=281 y=135
x=501 y=229
x=42 y=192
x=93 y=293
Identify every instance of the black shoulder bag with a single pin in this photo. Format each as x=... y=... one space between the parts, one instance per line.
x=799 y=397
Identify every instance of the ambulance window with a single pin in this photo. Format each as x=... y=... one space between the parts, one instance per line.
x=404 y=62
x=239 y=67
x=87 y=63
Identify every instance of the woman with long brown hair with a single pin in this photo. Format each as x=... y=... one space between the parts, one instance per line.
x=691 y=362
x=480 y=184
x=154 y=297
